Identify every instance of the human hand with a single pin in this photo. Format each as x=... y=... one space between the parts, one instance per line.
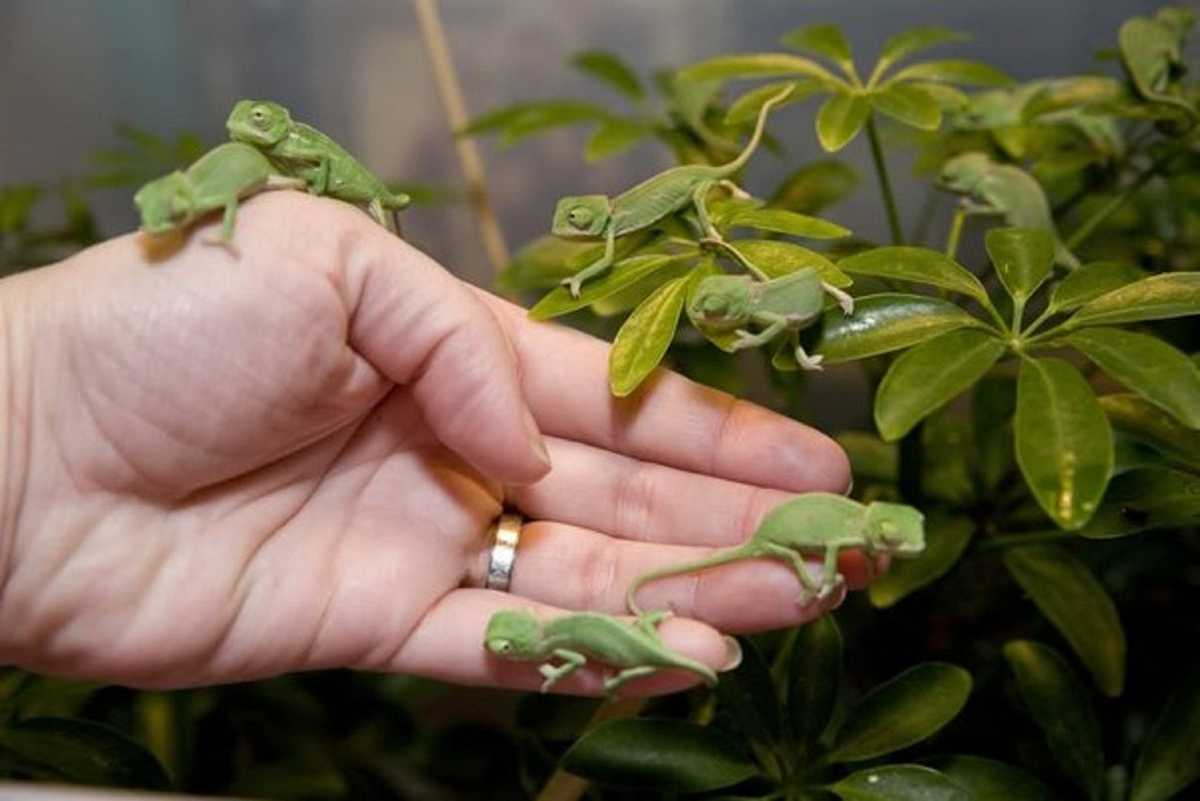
x=221 y=467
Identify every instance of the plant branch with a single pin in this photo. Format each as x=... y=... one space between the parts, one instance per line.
x=885 y=182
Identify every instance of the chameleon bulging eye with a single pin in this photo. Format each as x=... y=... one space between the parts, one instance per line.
x=580 y=217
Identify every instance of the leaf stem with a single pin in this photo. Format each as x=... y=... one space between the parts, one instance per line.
x=885 y=182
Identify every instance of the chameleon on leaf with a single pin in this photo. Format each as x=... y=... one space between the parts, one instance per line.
x=788 y=303
x=217 y=180
x=302 y=151
x=599 y=217
x=814 y=523
x=631 y=648
x=992 y=188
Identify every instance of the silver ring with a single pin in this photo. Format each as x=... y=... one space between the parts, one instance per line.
x=505 y=535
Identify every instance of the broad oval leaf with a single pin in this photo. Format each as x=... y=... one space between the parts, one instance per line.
x=753 y=65
x=777 y=259
x=958 y=71
x=928 y=376
x=663 y=755
x=920 y=265
x=1058 y=703
x=539 y=264
x=606 y=67
x=1167 y=763
x=1145 y=499
x=1079 y=607
x=908 y=104
x=643 y=339
x=1091 y=281
x=840 y=118
x=989 y=780
x=1023 y=258
x=823 y=39
x=914 y=40
x=946 y=540
x=1143 y=420
x=1155 y=298
x=902 y=711
x=748 y=106
x=613 y=136
x=885 y=322
x=77 y=751
x=814 y=670
x=782 y=221
x=1147 y=365
x=900 y=783
x=559 y=300
x=1064 y=442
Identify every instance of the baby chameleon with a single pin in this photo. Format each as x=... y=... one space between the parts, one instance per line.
x=216 y=180
x=991 y=188
x=302 y=151
x=635 y=649
x=600 y=217
x=815 y=522
x=787 y=303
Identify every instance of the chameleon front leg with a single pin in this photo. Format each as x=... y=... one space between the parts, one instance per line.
x=383 y=216
x=775 y=323
x=572 y=661
x=574 y=282
x=843 y=299
x=803 y=358
x=810 y=588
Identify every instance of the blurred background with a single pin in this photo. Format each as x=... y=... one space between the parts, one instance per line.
x=72 y=70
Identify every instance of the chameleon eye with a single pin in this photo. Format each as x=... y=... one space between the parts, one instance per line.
x=579 y=217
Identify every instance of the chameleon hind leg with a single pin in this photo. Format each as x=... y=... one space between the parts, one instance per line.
x=619 y=679
x=810 y=588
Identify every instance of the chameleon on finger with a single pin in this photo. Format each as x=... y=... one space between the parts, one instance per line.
x=788 y=303
x=820 y=523
x=992 y=188
x=217 y=180
x=632 y=649
x=599 y=217
x=302 y=151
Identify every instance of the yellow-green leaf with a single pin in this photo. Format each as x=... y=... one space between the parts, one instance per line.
x=919 y=265
x=840 y=118
x=644 y=338
x=908 y=104
x=1155 y=298
x=886 y=322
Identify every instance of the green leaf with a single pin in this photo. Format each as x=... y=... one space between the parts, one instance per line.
x=1167 y=763
x=522 y=120
x=1091 y=281
x=782 y=221
x=1064 y=442
x=1079 y=607
x=559 y=300
x=914 y=40
x=76 y=751
x=946 y=540
x=871 y=459
x=814 y=670
x=902 y=711
x=757 y=65
x=900 y=783
x=746 y=697
x=664 y=755
x=1023 y=258
x=970 y=73
x=606 y=67
x=825 y=40
x=1146 y=499
x=1155 y=298
x=815 y=186
x=989 y=780
x=613 y=136
x=1059 y=704
x=920 y=265
x=1148 y=366
x=840 y=118
x=1147 y=422
x=909 y=105
x=541 y=263
x=777 y=259
x=644 y=338
x=886 y=322
x=748 y=106
x=931 y=374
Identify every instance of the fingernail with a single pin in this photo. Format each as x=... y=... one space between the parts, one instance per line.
x=733 y=655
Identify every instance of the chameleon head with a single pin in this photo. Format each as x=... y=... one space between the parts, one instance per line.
x=259 y=122
x=721 y=299
x=961 y=173
x=581 y=216
x=895 y=528
x=163 y=204
x=510 y=633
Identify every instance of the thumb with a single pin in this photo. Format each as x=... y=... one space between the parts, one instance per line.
x=425 y=329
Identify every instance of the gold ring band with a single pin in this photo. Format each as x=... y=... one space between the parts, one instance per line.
x=505 y=535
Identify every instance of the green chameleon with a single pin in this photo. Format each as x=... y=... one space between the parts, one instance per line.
x=216 y=180
x=816 y=522
x=635 y=649
x=593 y=217
x=302 y=151
x=788 y=303
x=991 y=188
